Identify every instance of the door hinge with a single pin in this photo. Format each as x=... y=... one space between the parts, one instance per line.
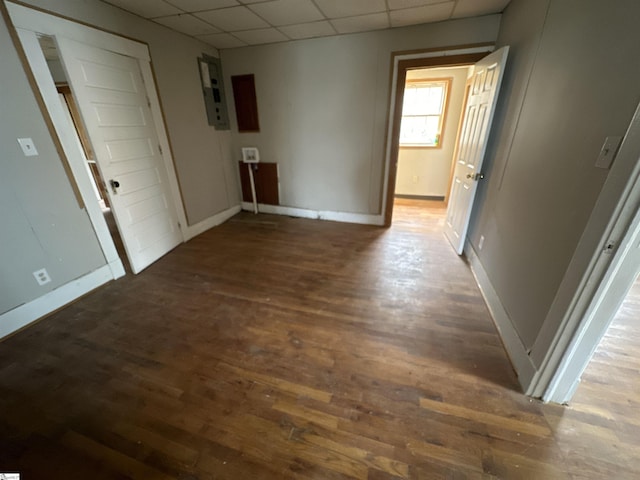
x=160 y=149
x=148 y=102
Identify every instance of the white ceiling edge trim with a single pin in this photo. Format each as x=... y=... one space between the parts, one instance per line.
x=50 y=24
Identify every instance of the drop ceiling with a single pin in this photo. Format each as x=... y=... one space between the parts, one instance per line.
x=238 y=23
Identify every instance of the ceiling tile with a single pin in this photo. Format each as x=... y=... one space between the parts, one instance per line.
x=399 y=4
x=233 y=19
x=426 y=14
x=308 y=30
x=146 y=8
x=288 y=12
x=470 y=8
x=340 y=8
x=188 y=24
x=222 y=40
x=200 y=5
x=362 y=23
x=263 y=35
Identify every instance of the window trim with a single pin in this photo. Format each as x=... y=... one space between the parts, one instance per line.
x=448 y=81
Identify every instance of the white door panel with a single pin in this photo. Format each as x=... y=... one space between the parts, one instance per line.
x=476 y=124
x=113 y=103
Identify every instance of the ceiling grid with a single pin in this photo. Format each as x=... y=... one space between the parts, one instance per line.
x=238 y=23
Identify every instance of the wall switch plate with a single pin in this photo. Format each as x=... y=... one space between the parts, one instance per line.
x=608 y=152
x=42 y=276
x=28 y=147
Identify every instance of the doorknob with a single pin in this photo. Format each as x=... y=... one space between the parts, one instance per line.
x=114 y=185
x=475 y=176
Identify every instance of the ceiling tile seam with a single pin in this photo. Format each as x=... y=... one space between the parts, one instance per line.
x=335 y=31
x=274 y=26
x=427 y=5
x=192 y=16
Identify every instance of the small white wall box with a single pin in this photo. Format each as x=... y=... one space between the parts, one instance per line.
x=250 y=155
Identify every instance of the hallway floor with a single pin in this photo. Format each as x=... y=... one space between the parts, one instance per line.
x=280 y=348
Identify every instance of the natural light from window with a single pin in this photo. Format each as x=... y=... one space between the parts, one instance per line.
x=423 y=112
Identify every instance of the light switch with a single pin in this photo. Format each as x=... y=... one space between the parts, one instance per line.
x=608 y=152
x=28 y=147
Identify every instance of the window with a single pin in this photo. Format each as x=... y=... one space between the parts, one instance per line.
x=423 y=112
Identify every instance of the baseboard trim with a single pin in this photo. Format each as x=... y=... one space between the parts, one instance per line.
x=345 y=217
x=117 y=269
x=435 y=198
x=213 y=221
x=520 y=359
x=20 y=317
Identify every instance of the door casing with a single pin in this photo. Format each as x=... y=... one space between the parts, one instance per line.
x=30 y=23
x=456 y=56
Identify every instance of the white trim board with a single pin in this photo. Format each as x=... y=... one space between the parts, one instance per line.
x=30 y=22
x=217 y=219
x=524 y=367
x=344 y=217
x=21 y=316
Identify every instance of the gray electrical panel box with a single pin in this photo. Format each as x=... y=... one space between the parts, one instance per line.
x=213 y=90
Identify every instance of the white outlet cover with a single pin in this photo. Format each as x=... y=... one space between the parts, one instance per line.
x=28 y=147
x=42 y=276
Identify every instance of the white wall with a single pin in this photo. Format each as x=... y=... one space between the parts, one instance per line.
x=572 y=80
x=323 y=106
x=427 y=171
x=201 y=154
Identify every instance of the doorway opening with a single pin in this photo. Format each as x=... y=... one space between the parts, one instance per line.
x=77 y=127
x=414 y=172
x=431 y=115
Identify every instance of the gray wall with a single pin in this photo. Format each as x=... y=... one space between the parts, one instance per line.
x=572 y=80
x=42 y=223
x=323 y=106
x=202 y=154
x=432 y=166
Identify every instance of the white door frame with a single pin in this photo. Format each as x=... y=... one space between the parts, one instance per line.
x=397 y=58
x=606 y=281
x=29 y=23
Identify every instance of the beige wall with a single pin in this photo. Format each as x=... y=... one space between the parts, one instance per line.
x=572 y=80
x=323 y=106
x=202 y=154
x=427 y=171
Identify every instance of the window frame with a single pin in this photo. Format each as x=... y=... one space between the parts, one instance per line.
x=447 y=81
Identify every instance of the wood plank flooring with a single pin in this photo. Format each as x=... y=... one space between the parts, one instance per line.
x=281 y=348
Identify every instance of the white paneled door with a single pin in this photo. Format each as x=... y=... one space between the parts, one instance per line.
x=472 y=144
x=114 y=106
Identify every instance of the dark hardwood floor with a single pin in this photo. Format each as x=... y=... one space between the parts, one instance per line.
x=281 y=348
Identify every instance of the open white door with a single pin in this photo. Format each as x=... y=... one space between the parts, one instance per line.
x=114 y=106
x=476 y=125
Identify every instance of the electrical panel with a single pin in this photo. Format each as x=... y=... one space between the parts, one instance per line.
x=213 y=91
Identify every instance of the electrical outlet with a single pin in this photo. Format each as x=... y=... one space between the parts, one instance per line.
x=481 y=242
x=415 y=179
x=42 y=276
x=28 y=147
